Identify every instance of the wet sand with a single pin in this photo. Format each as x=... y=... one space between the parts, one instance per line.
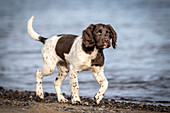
x=26 y=102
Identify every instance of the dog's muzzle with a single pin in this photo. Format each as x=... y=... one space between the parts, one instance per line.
x=106 y=42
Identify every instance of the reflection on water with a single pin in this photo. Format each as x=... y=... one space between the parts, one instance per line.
x=138 y=69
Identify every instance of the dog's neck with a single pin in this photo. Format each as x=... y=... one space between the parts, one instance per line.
x=89 y=50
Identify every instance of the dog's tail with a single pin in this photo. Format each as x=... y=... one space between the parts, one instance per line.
x=32 y=33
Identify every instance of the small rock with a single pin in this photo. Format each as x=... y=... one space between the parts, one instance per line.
x=52 y=94
x=1 y=88
x=86 y=103
x=46 y=94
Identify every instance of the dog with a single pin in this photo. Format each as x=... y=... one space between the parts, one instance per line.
x=72 y=53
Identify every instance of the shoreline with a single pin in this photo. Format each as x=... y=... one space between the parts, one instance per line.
x=26 y=101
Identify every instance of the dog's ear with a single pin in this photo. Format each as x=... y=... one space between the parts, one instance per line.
x=88 y=39
x=113 y=36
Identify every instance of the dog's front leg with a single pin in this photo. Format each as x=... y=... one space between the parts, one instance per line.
x=74 y=86
x=102 y=81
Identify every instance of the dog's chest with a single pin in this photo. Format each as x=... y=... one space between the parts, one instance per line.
x=94 y=53
x=84 y=61
x=79 y=59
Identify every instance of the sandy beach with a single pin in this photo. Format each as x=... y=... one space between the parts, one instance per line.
x=63 y=108
x=26 y=102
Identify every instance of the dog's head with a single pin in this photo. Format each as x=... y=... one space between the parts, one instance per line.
x=99 y=35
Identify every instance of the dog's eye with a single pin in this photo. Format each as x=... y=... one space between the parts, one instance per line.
x=107 y=32
x=99 y=32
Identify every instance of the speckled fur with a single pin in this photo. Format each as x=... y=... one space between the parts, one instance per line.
x=75 y=61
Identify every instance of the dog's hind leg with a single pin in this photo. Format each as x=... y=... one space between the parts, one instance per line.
x=39 y=89
x=45 y=71
x=62 y=73
x=49 y=66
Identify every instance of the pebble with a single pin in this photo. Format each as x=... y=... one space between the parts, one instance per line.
x=30 y=96
x=86 y=103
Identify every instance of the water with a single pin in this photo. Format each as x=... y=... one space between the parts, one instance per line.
x=138 y=69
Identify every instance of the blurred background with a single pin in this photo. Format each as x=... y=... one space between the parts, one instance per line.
x=138 y=69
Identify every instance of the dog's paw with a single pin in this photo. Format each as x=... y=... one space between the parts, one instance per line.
x=97 y=100
x=76 y=101
x=40 y=94
x=63 y=100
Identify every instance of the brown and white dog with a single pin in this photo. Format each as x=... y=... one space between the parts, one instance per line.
x=72 y=53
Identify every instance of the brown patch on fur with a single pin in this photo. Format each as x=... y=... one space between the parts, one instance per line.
x=98 y=35
x=88 y=50
x=64 y=44
x=113 y=36
x=88 y=39
x=99 y=60
x=42 y=39
x=56 y=79
x=62 y=63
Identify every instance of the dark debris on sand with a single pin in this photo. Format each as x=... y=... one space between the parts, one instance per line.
x=26 y=98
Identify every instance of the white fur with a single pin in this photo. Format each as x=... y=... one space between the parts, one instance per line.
x=80 y=60
x=31 y=31
x=77 y=60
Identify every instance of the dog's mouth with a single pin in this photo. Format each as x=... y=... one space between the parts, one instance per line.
x=104 y=45
x=106 y=42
